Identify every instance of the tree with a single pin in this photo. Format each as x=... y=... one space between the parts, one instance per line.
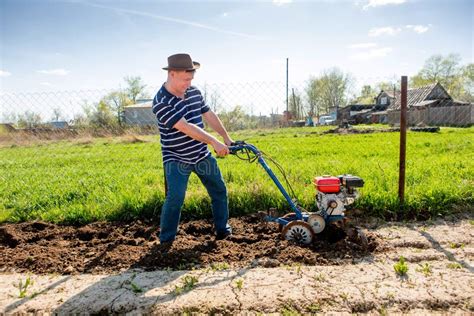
x=212 y=99
x=135 y=88
x=102 y=115
x=367 y=95
x=468 y=83
x=29 y=119
x=117 y=100
x=328 y=90
x=56 y=114
x=387 y=86
x=445 y=70
x=295 y=104
x=311 y=93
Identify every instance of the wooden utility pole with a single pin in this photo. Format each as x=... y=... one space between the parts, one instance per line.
x=403 y=140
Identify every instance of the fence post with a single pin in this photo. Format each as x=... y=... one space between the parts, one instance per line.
x=403 y=140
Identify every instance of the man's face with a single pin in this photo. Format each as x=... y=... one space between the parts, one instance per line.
x=181 y=80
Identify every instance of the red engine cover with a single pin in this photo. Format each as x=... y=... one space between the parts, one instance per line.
x=327 y=184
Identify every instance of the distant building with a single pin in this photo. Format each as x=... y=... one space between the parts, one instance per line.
x=139 y=113
x=432 y=105
x=364 y=113
x=428 y=105
x=58 y=124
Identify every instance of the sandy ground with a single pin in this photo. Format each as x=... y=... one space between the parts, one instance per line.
x=439 y=256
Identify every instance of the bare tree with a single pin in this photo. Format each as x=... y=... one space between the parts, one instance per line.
x=135 y=87
x=329 y=90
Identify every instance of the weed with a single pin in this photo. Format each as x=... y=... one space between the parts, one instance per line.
x=454 y=265
x=136 y=288
x=455 y=245
x=239 y=284
x=314 y=308
x=425 y=269
x=220 y=266
x=383 y=311
x=23 y=287
x=401 y=268
x=289 y=309
x=298 y=268
x=181 y=266
x=344 y=296
x=319 y=277
x=188 y=283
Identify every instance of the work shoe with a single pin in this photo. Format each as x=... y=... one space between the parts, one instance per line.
x=224 y=235
x=165 y=246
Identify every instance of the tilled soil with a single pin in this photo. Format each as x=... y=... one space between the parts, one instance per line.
x=105 y=247
x=333 y=276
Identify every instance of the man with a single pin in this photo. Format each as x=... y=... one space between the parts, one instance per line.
x=180 y=108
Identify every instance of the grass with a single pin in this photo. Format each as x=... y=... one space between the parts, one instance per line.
x=117 y=179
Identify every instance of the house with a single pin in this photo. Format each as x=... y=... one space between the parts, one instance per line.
x=385 y=98
x=58 y=125
x=364 y=113
x=139 y=113
x=431 y=105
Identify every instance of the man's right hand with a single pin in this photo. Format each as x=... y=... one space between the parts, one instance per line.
x=220 y=149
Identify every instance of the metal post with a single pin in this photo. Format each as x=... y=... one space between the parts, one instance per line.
x=287 y=85
x=403 y=140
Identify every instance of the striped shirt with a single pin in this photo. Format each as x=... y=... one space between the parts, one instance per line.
x=169 y=109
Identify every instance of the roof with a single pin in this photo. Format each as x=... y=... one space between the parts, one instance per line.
x=354 y=113
x=389 y=93
x=139 y=105
x=419 y=96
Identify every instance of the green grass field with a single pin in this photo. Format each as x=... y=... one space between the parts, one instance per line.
x=119 y=178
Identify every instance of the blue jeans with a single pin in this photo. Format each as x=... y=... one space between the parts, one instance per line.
x=177 y=175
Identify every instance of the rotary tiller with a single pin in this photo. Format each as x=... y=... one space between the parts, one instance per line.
x=333 y=195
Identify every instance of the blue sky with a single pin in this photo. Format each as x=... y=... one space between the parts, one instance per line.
x=74 y=45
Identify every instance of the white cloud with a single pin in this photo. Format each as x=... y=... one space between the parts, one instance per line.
x=363 y=45
x=387 y=30
x=373 y=53
x=225 y=14
x=281 y=2
x=47 y=84
x=419 y=28
x=379 y=3
x=55 y=72
x=4 y=73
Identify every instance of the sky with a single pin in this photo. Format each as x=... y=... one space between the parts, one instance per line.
x=76 y=45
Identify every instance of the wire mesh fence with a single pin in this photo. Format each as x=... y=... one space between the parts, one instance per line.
x=81 y=173
x=243 y=105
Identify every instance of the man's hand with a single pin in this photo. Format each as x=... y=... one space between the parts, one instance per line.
x=228 y=141
x=220 y=149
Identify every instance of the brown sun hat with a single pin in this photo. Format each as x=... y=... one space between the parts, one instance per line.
x=181 y=62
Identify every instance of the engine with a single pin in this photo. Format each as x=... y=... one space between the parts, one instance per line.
x=335 y=193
